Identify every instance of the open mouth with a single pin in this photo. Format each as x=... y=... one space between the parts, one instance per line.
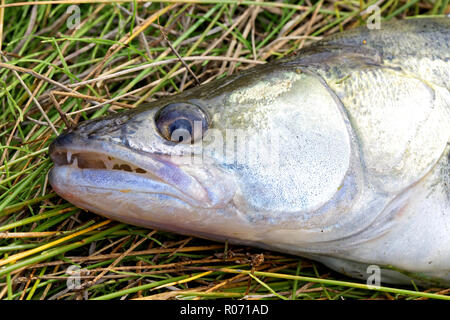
x=95 y=167
x=158 y=170
x=94 y=160
x=88 y=167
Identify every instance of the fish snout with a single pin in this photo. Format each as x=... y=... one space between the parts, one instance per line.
x=61 y=142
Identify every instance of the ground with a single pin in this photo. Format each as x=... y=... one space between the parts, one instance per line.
x=64 y=63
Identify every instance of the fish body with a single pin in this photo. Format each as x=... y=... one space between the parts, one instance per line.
x=340 y=153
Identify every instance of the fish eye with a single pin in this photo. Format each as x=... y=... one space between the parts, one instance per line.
x=181 y=122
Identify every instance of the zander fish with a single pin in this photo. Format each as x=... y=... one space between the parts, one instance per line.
x=340 y=154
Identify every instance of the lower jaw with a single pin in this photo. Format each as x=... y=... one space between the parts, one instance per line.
x=78 y=185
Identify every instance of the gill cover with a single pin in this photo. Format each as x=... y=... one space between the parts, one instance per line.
x=297 y=139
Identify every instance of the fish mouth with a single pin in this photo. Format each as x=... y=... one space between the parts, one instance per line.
x=96 y=166
x=94 y=160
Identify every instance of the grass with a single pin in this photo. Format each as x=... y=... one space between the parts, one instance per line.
x=118 y=58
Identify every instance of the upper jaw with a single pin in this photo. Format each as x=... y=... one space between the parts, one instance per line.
x=79 y=153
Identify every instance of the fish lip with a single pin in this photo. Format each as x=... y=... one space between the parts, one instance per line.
x=159 y=167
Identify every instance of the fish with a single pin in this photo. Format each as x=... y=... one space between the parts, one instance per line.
x=339 y=153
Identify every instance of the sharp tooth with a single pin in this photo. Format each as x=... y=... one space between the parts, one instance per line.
x=75 y=162
x=108 y=165
x=69 y=156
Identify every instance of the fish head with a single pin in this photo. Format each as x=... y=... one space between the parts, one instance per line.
x=237 y=159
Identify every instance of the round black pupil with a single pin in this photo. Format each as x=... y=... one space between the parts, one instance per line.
x=180 y=124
